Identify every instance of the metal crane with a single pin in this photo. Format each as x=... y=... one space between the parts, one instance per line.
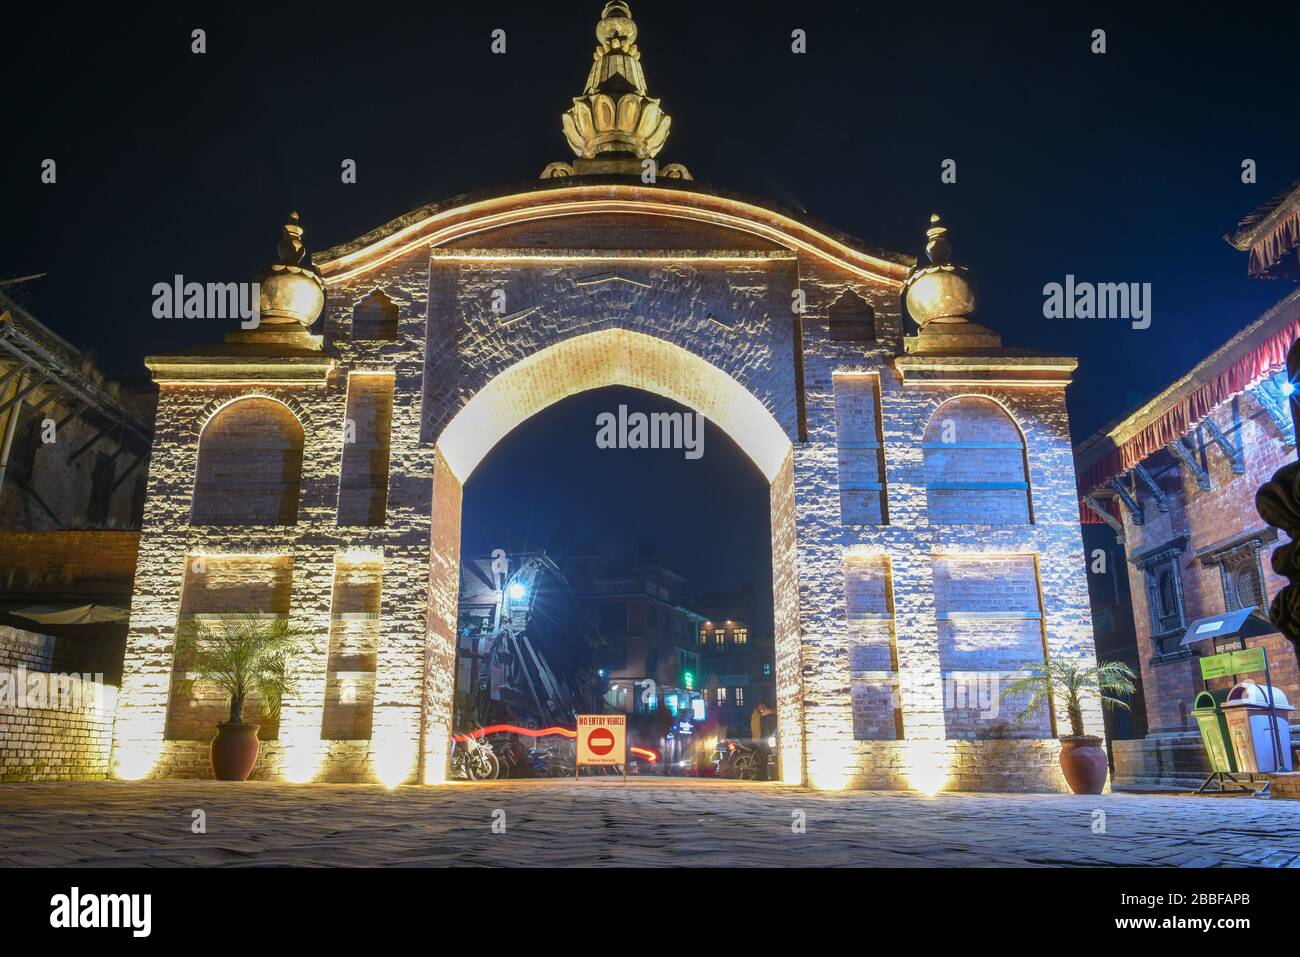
x=518 y=673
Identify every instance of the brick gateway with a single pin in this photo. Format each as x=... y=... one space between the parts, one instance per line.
x=924 y=527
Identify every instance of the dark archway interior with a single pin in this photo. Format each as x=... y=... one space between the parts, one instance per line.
x=620 y=566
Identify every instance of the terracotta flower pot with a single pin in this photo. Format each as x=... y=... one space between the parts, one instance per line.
x=1083 y=761
x=234 y=750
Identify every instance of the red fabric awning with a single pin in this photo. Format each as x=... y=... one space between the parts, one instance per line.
x=1271 y=248
x=1188 y=412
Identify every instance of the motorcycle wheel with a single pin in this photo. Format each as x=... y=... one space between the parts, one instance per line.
x=483 y=766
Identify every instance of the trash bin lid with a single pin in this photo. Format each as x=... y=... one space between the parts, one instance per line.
x=1249 y=694
x=1209 y=700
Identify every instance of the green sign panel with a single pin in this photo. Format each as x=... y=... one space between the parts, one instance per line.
x=1243 y=662
x=1247 y=661
x=1216 y=666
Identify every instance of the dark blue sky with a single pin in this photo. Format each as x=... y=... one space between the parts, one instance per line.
x=547 y=486
x=1120 y=167
x=1123 y=167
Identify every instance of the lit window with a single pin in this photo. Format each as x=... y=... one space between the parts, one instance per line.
x=722 y=696
x=720 y=637
x=740 y=697
x=740 y=636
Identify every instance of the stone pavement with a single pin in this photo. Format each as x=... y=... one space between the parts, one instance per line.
x=643 y=823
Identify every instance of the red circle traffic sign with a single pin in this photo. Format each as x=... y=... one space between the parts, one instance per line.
x=600 y=741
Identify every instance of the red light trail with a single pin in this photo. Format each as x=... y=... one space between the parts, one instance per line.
x=646 y=753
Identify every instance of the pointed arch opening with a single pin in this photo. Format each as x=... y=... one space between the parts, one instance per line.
x=596 y=360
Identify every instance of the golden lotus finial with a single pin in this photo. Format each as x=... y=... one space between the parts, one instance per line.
x=291 y=291
x=290 y=247
x=614 y=115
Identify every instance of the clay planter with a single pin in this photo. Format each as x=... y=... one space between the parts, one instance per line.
x=1083 y=761
x=234 y=751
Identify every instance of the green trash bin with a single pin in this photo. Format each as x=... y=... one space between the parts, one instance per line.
x=1208 y=709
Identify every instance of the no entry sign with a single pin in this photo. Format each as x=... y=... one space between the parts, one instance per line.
x=602 y=739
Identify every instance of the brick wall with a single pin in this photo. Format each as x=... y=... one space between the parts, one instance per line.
x=26 y=649
x=32 y=563
x=54 y=726
x=990 y=628
x=972 y=441
x=250 y=468
x=59 y=744
x=861 y=458
x=63 y=490
x=1207 y=519
x=363 y=485
x=873 y=660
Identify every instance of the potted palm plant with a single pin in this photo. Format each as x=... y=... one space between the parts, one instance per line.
x=244 y=653
x=1083 y=758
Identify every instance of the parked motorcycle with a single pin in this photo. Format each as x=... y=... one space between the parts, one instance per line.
x=473 y=760
x=737 y=761
x=548 y=763
x=512 y=756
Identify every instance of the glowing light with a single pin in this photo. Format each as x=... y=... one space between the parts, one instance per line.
x=829 y=765
x=928 y=765
x=518 y=591
x=134 y=760
x=302 y=755
x=1288 y=387
x=360 y=556
x=138 y=739
x=393 y=753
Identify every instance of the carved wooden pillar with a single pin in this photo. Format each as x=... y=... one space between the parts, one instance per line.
x=1278 y=503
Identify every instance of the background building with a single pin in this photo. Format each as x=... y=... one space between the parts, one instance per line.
x=738 y=672
x=1175 y=481
x=74 y=453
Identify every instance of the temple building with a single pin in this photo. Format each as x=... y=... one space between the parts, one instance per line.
x=74 y=451
x=925 y=529
x=1176 y=482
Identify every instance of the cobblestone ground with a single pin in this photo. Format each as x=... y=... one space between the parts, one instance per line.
x=643 y=823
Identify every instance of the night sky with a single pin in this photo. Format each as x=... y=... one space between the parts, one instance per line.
x=1122 y=167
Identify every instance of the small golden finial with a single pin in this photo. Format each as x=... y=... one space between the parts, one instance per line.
x=940 y=297
x=290 y=247
x=937 y=247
